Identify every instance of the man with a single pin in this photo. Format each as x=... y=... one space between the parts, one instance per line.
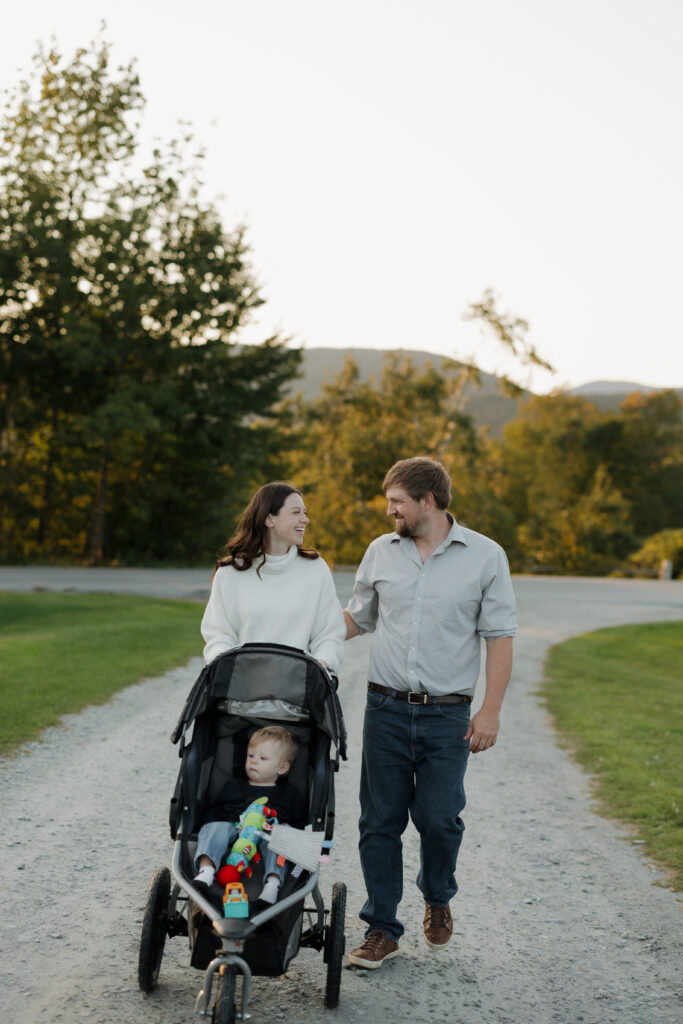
x=430 y=591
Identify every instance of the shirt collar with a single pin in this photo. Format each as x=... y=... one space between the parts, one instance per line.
x=455 y=535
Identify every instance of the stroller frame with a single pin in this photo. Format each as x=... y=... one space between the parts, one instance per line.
x=234 y=932
x=163 y=917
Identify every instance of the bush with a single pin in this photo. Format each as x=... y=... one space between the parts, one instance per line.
x=667 y=544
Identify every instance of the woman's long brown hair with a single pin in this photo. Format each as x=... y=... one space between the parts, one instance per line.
x=248 y=542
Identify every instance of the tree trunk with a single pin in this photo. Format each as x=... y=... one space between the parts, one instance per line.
x=48 y=479
x=96 y=545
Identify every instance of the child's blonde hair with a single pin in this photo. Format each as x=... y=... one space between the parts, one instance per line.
x=288 y=748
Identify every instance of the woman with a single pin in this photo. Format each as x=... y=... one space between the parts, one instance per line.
x=269 y=588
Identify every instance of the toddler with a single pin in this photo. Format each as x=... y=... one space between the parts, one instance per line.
x=270 y=754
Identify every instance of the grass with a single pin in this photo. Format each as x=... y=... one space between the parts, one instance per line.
x=616 y=696
x=61 y=652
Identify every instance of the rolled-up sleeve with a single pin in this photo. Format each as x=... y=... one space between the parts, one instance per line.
x=364 y=603
x=497 y=616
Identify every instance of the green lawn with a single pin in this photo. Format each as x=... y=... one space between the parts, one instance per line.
x=616 y=696
x=62 y=652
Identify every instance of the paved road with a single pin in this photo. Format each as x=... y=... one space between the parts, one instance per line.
x=569 y=593
x=186 y=584
x=557 y=920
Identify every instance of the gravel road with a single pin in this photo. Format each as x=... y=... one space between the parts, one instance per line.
x=558 y=919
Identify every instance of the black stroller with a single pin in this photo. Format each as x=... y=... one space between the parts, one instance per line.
x=242 y=690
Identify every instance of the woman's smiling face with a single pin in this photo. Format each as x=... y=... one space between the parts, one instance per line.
x=287 y=526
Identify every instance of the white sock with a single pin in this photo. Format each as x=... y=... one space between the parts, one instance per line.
x=206 y=875
x=270 y=889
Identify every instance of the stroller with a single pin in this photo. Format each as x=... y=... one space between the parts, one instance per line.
x=241 y=691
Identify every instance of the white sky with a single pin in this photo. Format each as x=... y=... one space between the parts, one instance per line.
x=393 y=159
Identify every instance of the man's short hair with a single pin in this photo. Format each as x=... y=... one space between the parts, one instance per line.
x=277 y=734
x=418 y=477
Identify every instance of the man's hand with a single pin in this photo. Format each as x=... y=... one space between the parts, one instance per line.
x=484 y=726
x=351 y=627
x=483 y=730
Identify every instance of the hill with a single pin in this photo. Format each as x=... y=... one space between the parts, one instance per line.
x=610 y=387
x=486 y=404
x=609 y=394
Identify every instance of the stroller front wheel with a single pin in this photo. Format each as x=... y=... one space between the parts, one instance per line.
x=334 y=945
x=224 y=1006
x=154 y=928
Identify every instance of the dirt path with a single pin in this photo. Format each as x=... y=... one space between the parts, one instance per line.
x=557 y=919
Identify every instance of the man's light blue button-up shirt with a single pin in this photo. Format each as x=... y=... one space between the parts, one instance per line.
x=429 y=616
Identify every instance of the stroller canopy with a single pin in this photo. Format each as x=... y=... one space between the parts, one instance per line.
x=257 y=673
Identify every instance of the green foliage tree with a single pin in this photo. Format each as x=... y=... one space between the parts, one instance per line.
x=652 y=474
x=351 y=435
x=570 y=516
x=642 y=446
x=129 y=415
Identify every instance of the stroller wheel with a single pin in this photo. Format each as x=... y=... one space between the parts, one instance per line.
x=224 y=1006
x=334 y=945
x=154 y=928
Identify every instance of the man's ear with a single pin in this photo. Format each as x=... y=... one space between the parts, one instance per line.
x=429 y=500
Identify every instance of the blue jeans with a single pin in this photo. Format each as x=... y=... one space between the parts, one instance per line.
x=414 y=761
x=216 y=838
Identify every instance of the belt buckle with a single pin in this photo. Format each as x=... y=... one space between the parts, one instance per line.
x=420 y=698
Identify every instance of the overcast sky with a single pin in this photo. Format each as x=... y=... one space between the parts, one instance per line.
x=394 y=159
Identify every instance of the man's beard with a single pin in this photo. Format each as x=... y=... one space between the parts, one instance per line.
x=406 y=530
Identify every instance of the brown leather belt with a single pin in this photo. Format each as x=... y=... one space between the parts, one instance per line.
x=420 y=698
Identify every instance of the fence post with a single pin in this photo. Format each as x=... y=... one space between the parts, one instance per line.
x=666 y=569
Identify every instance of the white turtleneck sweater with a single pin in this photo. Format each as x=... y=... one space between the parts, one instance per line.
x=293 y=602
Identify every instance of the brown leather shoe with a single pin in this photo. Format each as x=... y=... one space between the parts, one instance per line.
x=438 y=926
x=377 y=948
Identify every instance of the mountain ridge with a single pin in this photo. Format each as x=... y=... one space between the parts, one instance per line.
x=486 y=405
x=614 y=387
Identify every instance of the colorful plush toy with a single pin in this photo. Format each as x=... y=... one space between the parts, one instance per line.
x=254 y=821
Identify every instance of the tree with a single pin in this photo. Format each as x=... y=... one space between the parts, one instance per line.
x=511 y=334
x=129 y=413
x=348 y=438
x=570 y=515
x=652 y=474
x=642 y=446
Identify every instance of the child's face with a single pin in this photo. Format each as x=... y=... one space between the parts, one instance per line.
x=263 y=763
